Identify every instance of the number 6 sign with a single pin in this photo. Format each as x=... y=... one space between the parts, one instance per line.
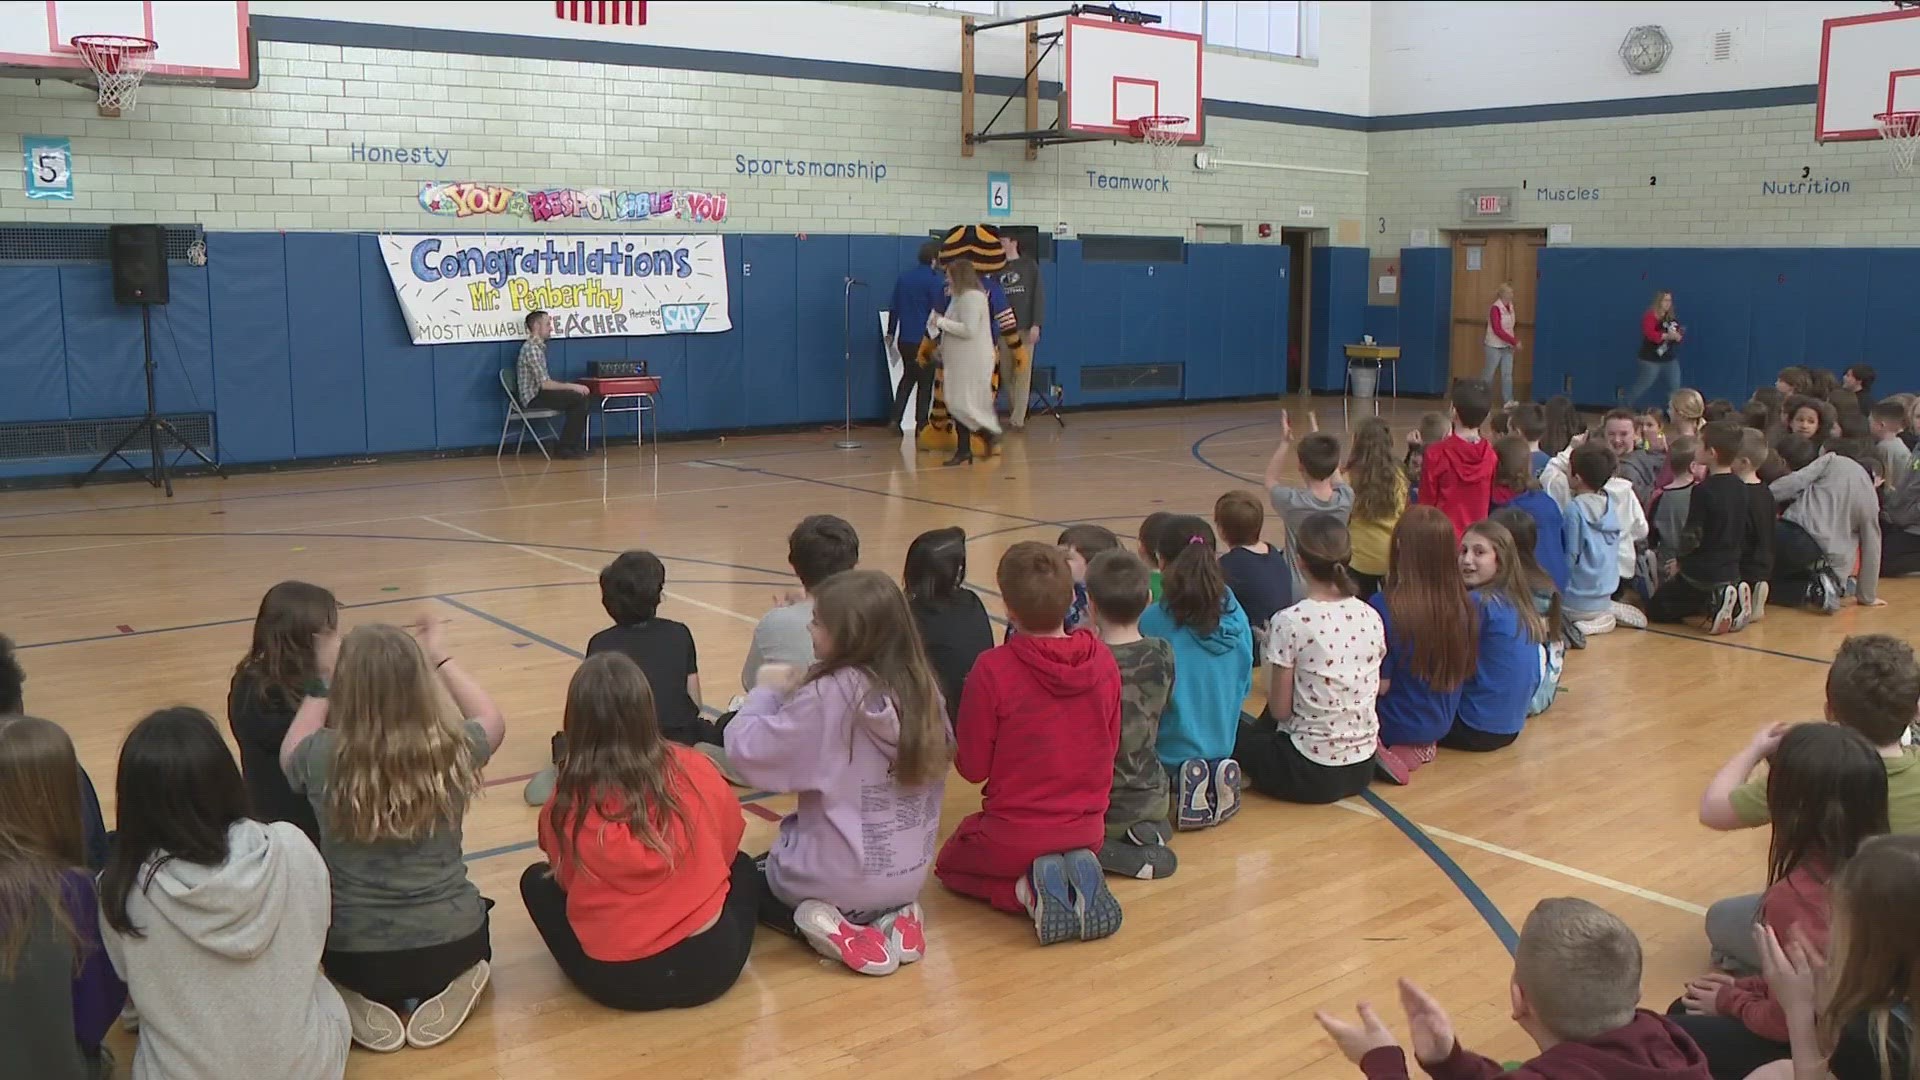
x=49 y=167
x=999 y=195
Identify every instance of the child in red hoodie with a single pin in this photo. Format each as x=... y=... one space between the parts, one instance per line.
x=1576 y=980
x=1039 y=726
x=1456 y=473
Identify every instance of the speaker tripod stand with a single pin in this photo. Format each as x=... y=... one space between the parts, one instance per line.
x=156 y=428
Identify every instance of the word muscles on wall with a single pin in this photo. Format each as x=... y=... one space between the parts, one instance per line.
x=466 y=199
x=465 y=287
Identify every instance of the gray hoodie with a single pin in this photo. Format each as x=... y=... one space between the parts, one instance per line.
x=226 y=972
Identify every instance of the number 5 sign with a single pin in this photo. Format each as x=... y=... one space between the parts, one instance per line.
x=999 y=195
x=49 y=167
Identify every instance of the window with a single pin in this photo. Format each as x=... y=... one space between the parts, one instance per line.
x=1265 y=26
x=1187 y=16
x=964 y=7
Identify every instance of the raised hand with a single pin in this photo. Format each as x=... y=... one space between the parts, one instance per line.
x=1428 y=1023
x=1358 y=1040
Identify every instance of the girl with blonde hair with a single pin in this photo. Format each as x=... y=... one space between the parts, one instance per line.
x=967 y=351
x=1379 y=498
x=390 y=774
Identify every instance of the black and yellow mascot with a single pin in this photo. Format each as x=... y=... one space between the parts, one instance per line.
x=979 y=245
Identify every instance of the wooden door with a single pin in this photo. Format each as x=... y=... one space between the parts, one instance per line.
x=1482 y=261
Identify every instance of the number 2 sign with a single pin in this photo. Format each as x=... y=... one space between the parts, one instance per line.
x=49 y=164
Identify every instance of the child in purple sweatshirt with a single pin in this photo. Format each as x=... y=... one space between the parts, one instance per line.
x=863 y=740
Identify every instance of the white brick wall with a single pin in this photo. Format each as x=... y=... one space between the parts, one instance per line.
x=279 y=156
x=1711 y=170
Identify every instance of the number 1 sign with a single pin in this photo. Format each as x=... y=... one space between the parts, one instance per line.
x=49 y=167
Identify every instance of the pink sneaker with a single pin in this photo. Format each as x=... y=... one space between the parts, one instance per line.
x=1416 y=756
x=862 y=948
x=1389 y=765
x=906 y=933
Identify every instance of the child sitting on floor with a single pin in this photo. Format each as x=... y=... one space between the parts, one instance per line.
x=1493 y=703
x=1456 y=474
x=1516 y=488
x=861 y=737
x=630 y=590
x=1146 y=543
x=1080 y=543
x=1835 y=506
x=1668 y=516
x=1886 y=421
x=1757 y=558
x=1432 y=428
x=1433 y=641
x=1530 y=423
x=1213 y=654
x=1255 y=570
x=1594 y=535
x=1324 y=492
x=1827 y=795
x=1873 y=687
x=953 y=623
x=1862 y=1028
x=818 y=548
x=1040 y=727
x=1705 y=587
x=1379 y=498
x=1546 y=602
x=1576 y=982
x=1137 y=828
x=1315 y=743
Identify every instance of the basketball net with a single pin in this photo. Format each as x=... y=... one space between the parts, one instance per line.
x=1900 y=134
x=1161 y=134
x=118 y=63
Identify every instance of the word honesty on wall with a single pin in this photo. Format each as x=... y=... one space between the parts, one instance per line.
x=465 y=287
x=466 y=199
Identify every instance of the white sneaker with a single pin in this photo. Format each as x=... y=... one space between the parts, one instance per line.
x=1760 y=591
x=375 y=1026
x=1628 y=615
x=438 y=1017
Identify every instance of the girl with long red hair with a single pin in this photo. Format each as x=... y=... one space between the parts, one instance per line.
x=1432 y=641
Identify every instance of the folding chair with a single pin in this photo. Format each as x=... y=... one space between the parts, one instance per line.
x=1043 y=392
x=526 y=416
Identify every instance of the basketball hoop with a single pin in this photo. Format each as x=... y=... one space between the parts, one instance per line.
x=118 y=63
x=1900 y=134
x=1162 y=134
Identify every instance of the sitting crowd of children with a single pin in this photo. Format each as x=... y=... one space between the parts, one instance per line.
x=1410 y=609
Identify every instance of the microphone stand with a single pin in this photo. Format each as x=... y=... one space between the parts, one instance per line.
x=847 y=441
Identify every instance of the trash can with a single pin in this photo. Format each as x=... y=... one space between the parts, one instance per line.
x=1365 y=379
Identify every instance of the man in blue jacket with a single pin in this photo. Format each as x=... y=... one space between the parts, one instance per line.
x=919 y=291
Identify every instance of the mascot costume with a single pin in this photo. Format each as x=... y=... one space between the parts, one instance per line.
x=979 y=245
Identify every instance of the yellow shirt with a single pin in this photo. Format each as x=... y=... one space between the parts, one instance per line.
x=1370 y=537
x=1903 y=797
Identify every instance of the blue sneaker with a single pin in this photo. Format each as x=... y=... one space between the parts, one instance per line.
x=1044 y=892
x=1096 y=906
x=1193 y=793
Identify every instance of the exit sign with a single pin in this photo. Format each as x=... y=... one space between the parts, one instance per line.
x=1487 y=204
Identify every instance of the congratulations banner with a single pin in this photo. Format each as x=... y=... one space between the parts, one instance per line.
x=466 y=287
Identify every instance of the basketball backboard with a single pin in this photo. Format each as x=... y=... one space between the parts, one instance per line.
x=200 y=41
x=1117 y=73
x=1869 y=64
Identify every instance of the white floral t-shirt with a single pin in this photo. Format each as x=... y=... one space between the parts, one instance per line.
x=1335 y=649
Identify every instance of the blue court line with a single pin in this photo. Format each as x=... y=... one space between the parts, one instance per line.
x=1470 y=889
x=511 y=627
x=1734 y=645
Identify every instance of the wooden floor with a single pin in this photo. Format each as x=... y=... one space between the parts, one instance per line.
x=124 y=601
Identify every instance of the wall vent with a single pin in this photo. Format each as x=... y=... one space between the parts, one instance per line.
x=1112 y=377
x=81 y=243
x=1721 y=48
x=92 y=438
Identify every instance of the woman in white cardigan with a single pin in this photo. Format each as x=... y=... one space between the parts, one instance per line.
x=1501 y=340
x=967 y=351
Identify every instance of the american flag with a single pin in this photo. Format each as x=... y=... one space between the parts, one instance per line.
x=603 y=12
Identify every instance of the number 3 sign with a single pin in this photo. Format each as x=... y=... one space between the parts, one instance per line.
x=49 y=167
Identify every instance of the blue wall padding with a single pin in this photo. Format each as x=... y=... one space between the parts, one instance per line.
x=1426 y=314
x=1383 y=322
x=297 y=344
x=1338 y=310
x=1748 y=313
x=329 y=374
x=33 y=365
x=253 y=375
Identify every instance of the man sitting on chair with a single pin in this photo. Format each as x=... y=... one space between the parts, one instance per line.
x=538 y=390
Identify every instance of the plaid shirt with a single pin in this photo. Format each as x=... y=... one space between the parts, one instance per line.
x=532 y=369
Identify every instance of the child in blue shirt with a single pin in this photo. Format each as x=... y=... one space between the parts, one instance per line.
x=1080 y=543
x=1514 y=485
x=1494 y=701
x=1255 y=570
x=1433 y=642
x=1213 y=653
